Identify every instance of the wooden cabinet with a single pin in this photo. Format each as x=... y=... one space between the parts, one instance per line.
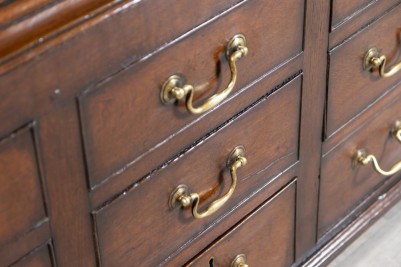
x=101 y=167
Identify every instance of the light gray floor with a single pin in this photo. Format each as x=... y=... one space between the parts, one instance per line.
x=379 y=246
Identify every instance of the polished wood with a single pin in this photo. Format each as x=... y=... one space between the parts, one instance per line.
x=12 y=10
x=266 y=236
x=93 y=28
x=313 y=101
x=344 y=185
x=80 y=83
x=67 y=189
x=41 y=257
x=25 y=244
x=21 y=198
x=379 y=202
x=274 y=184
x=23 y=30
x=361 y=19
x=342 y=10
x=351 y=88
x=110 y=110
x=263 y=85
x=123 y=221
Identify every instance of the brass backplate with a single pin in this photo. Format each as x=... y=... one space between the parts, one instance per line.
x=172 y=82
x=240 y=260
x=237 y=40
x=234 y=154
x=360 y=153
x=373 y=52
x=181 y=190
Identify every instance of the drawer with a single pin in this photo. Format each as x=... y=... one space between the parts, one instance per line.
x=344 y=182
x=40 y=257
x=21 y=202
x=352 y=88
x=342 y=9
x=268 y=130
x=266 y=237
x=123 y=118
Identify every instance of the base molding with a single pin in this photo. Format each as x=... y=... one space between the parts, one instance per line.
x=329 y=249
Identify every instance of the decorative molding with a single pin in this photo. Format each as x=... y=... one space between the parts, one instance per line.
x=339 y=242
x=27 y=22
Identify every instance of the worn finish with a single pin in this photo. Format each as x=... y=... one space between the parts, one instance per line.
x=273 y=148
x=351 y=88
x=265 y=237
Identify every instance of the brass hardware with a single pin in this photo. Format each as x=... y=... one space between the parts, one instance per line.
x=364 y=159
x=174 y=88
x=373 y=59
x=181 y=196
x=396 y=131
x=239 y=261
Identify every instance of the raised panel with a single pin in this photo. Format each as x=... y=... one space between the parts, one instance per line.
x=123 y=119
x=132 y=226
x=21 y=197
x=266 y=236
x=41 y=257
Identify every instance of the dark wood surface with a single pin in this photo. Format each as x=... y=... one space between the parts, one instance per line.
x=313 y=101
x=367 y=15
x=89 y=155
x=41 y=257
x=203 y=169
x=265 y=236
x=134 y=95
x=21 y=199
x=367 y=212
x=23 y=246
x=342 y=10
x=344 y=185
x=351 y=88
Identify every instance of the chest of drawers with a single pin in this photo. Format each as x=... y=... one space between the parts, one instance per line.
x=210 y=133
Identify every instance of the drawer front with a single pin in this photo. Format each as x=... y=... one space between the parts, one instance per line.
x=21 y=202
x=344 y=183
x=39 y=258
x=269 y=132
x=352 y=88
x=342 y=9
x=266 y=237
x=124 y=118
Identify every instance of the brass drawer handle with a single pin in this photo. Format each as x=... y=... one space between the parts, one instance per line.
x=181 y=197
x=239 y=261
x=364 y=159
x=373 y=59
x=175 y=88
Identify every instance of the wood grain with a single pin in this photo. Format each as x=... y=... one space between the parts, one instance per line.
x=113 y=111
x=21 y=199
x=342 y=10
x=266 y=236
x=313 y=101
x=342 y=185
x=270 y=141
x=41 y=257
x=351 y=88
